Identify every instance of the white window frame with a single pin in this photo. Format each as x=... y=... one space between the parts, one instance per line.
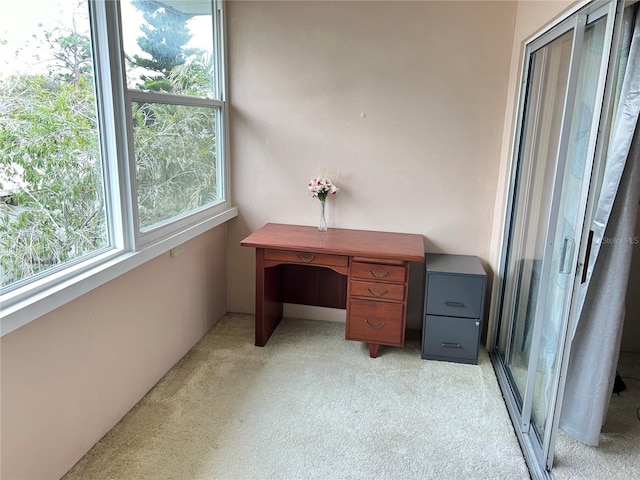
x=128 y=248
x=169 y=227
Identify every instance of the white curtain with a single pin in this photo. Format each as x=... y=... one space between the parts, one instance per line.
x=596 y=339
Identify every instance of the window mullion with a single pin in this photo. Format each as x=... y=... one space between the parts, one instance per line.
x=112 y=105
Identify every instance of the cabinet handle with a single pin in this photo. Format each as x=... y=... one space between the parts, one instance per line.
x=306 y=257
x=451 y=345
x=375 y=327
x=455 y=304
x=379 y=273
x=379 y=295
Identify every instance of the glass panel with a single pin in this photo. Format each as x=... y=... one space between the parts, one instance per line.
x=175 y=154
x=51 y=191
x=169 y=46
x=568 y=227
x=549 y=69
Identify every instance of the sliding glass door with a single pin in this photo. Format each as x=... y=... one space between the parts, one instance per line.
x=560 y=108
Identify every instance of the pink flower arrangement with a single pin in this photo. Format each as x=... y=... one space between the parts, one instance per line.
x=320 y=187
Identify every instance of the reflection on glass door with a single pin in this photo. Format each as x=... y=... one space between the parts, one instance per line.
x=544 y=107
x=560 y=108
x=573 y=180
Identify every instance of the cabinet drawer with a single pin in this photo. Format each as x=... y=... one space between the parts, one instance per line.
x=381 y=272
x=306 y=257
x=375 y=322
x=445 y=338
x=382 y=291
x=454 y=295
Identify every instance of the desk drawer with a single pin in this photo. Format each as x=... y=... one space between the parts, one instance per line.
x=377 y=290
x=375 y=322
x=454 y=295
x=307 y=257
x=380 y=272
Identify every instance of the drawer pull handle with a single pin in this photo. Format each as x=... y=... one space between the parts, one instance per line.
x=379 y=273
x=451 y=345
x=379 y=295
x=375 y=327
x=306 y=257
x=455 y=304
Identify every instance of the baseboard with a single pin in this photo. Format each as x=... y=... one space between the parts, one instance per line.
x=309 y=312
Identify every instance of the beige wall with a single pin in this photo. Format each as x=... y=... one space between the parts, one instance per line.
x=405 y=99
x=69 y=376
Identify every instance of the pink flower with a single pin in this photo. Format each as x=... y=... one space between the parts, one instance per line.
x=320 y=187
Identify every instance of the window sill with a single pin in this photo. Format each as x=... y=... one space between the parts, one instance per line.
x=33 y=307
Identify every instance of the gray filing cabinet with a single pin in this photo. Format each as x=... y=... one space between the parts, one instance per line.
x=454 y=306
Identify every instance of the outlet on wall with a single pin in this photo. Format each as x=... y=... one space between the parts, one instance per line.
x=177 y=251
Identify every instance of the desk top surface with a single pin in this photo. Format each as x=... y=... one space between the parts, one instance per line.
x=338 y=241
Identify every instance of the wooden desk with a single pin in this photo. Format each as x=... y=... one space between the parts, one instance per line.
x=363 y=271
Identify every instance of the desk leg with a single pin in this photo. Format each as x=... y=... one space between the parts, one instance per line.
x=373 y=350
x=268 y=299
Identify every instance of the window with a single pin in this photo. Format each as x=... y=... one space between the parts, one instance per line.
x=52 y=202
x=112 y=129
x=175 y=103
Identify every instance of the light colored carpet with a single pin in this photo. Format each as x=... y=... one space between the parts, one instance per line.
x=618 y=455
x=311 y=405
